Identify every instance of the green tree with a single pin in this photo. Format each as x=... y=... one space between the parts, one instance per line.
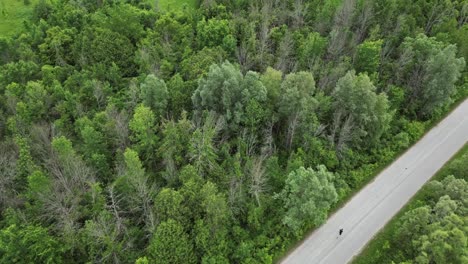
x=215 y=32
x=174 y=147
x=367 y=56
x=307 y=197
x=171 y=244
x=227 y=92
x=29 y=244
x=57 y=46
x=134 y=184
x=202 y=151
x=108 y=47
x=168 y=205
x=272 y=80
x=297 y=92
x=154 y=94
x=311 y=50
x=428 y=69
x=211 y=231
x=143 y=128
x=361 y=115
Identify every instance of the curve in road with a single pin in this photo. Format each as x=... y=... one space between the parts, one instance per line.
x=370 y=209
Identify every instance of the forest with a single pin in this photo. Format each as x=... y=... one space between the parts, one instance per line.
x=221 y=132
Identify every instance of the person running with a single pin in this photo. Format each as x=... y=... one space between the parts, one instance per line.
x=341 y=231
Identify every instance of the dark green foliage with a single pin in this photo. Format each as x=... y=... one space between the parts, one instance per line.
x=134 y=134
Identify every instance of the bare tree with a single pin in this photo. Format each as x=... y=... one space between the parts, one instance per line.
x=137 y=204
x=249 y=138
x=285 y=62
x=120 y=121
x=340 y=34
x=41 y=137
x=344 y=14
x=364 y=18
x=98 y=93
x=341 y=132
x=299 y=9
x=463 y=15
x=440 y=11
x=268 y=147
x=263 y=33
x=236 y=194
x=8 y=194
x=293 y=123
x=62 y=200
x=115 y=209
x=257 y=178
x=345 y=136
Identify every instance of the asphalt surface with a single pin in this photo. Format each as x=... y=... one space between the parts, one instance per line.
x=370 y=209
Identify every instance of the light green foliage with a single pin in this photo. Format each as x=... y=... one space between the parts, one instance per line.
x=29 y=244
x=429 y=70
x=142 y=260
x=179 y=95
x=211 y=230
x=171 y=244
x=170 y=5
x=367 y=56
x=94 y=147
x=163 y=47
x=227 y=91
x=140 y=192
x=37 y=182
x=360 y=110
x=142 y=126
x=307 y=196
x=215 y=32
x=168 y=204
x=311 y=50
x=154 y=94
x=57 y=46
x=133 y=164
x=25 y=164
x=18 y=72
x=436 y=238
x=124 y=19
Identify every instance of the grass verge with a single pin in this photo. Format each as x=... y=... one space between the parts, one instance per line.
x=12 y=15
x=168 y=5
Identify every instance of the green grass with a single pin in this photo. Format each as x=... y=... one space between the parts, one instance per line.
x=168 y=5
x=12 y=15
x=377 y=248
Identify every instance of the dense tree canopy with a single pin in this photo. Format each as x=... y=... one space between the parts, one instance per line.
x=131 y=131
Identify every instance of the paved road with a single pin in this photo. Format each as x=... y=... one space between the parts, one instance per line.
x=368 y=211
